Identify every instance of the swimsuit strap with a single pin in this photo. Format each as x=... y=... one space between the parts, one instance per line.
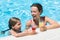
x=42 y=18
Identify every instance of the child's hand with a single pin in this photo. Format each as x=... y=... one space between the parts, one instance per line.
x=31 y=32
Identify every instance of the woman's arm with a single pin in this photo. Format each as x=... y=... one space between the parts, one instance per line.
x=53 y=24
x=28 y=24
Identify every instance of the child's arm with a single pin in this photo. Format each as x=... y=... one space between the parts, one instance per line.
x=25 y=33
x=18 y=34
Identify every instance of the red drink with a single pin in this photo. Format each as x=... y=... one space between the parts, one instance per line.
x=33 y=28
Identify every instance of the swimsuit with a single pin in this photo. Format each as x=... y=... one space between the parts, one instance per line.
x=37 y=23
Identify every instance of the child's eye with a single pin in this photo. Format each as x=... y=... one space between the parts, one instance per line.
x=19 y=24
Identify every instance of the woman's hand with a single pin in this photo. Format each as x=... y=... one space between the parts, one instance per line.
x=43 y=29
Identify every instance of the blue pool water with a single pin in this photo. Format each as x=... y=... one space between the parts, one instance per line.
x=21 y=9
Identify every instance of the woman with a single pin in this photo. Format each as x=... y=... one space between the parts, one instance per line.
x=36 y=11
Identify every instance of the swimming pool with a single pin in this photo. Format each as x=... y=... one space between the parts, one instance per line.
x=21 y=9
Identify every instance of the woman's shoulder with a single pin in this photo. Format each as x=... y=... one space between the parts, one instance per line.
x=47 y=18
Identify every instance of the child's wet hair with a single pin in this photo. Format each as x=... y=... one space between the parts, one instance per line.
x=12 y=22
x=39 y=6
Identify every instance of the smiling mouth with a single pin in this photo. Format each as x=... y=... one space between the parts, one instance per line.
x=34 y=16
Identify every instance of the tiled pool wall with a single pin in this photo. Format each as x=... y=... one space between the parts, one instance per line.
x=21 y=9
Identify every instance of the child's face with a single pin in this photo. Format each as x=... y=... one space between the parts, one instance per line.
x=17 y=26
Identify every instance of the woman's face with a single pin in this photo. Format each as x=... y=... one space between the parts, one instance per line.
x=17 y=26
x=34 y=11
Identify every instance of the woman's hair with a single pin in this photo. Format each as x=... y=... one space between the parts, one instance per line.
x=39 y=6
x=12 y=22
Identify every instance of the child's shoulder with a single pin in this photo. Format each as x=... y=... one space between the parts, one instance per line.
x=15 y=31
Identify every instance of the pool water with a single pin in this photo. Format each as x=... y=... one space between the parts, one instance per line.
x=21 y=10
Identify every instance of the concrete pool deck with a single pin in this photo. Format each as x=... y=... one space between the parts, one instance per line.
x=53 y=34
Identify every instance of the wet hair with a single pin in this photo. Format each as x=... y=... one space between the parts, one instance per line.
x=39 y=6
x=11 y=22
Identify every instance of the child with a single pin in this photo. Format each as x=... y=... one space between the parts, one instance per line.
x=15 y=28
